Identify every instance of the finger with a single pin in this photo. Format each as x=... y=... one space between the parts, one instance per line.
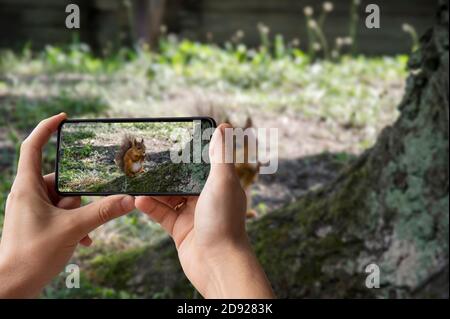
x=69 y=202
x=61 y=202
x=86 y=241
x=221 y=153
x=49 y=181
x=31 y=148
x=157 y=211
x=171 y=201
x=102 y=211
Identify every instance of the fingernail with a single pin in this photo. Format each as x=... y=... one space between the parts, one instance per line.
x=127 y=203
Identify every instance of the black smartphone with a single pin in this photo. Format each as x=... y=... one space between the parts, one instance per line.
x=145 y=156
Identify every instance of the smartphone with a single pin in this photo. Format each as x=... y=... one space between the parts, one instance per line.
x=145 y=156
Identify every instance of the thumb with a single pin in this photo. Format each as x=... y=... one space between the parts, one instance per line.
x=221 y=152
x=223 y=189
x=104 y=210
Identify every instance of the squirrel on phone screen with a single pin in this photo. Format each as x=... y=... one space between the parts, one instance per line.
x=131 y=155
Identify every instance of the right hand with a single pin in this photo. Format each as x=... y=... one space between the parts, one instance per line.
x=209 y=232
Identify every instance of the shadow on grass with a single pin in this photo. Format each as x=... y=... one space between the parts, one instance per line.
x=162 y=178
x=297 y=176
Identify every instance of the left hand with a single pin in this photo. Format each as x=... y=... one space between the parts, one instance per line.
x=41 y=229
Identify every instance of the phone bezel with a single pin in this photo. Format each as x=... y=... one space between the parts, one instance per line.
x=122 y=120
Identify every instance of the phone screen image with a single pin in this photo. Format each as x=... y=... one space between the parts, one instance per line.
x=133 y=156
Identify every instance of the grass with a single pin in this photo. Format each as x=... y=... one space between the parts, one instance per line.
x=23 y=113
x=336 y=90
x=351 y=92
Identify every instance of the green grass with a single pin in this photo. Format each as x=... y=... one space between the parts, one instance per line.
x=72 y=137
x=350 y=91
x=24 y=113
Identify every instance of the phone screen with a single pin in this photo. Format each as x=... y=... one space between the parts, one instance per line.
x=133 y=156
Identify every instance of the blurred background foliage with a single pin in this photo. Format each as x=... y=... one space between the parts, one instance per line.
x=328 y=100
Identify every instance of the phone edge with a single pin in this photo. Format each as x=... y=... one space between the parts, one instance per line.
x=110 y=120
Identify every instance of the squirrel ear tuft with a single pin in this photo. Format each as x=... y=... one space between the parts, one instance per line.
x=248 y=122
x=142 y=140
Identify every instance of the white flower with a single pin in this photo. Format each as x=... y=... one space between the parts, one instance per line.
x=240 y=34
x=339 y=41
x=312 y=24
x=317 y=46
x=263 y=28
x=308 y=11
x=348 y=41
x=407 y=27
x=328 y=6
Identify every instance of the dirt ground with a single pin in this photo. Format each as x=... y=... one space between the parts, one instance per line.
x=320 y=152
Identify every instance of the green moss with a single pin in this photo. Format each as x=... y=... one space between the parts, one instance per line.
x=350 y=198
x=115 y=269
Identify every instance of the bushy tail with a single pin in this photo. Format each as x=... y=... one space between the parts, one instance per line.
x=219 y=114
x=125 y=145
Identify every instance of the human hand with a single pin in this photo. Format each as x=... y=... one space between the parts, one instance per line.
x=41 y=229
x=209 y=232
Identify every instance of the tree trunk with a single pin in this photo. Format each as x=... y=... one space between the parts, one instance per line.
x=148 y=19
x=390 y=207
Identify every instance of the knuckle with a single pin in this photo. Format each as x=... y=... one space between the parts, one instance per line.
x=45 y=125
x=146 y=205
x=44 y=128
x=104 y=213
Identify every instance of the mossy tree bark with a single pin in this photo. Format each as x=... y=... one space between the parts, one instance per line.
x=390 y=207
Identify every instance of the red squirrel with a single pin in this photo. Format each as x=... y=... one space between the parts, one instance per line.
x=131 y=155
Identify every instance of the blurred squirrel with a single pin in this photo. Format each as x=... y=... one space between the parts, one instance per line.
x=130 y=156
x=248 y=170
